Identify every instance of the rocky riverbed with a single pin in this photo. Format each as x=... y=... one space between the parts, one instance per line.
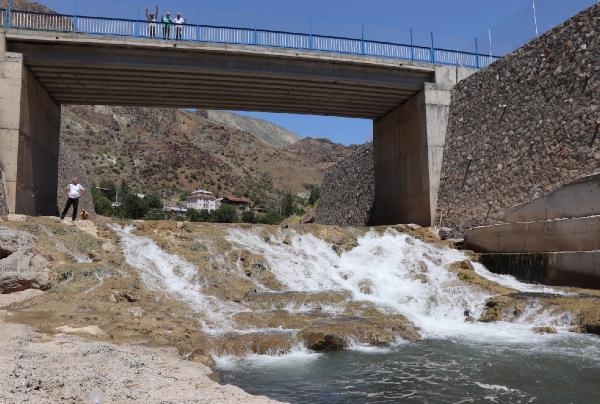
x=179 y=295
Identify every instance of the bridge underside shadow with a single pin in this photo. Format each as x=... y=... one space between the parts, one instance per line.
x=39 y=72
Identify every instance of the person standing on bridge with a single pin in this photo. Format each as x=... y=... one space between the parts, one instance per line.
x=74 y=192
x=151 y=17
x=167 y=22
x=179 y=21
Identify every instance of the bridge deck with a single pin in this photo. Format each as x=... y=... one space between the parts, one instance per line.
x=91 y=69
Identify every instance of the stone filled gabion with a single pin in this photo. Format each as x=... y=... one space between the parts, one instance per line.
x=523 y=126
x=348 y=190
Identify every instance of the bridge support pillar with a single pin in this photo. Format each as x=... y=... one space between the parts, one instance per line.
x=408 y=149
x=29 y=140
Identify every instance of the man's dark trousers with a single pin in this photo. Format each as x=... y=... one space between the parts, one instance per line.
x=75 y=203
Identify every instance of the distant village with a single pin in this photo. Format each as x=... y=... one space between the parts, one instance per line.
x=207 y=201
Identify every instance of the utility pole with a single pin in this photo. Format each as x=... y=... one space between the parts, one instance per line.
x=535 y=19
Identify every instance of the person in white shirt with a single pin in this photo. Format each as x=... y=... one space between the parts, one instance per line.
x=74 y=192
x=179 y=21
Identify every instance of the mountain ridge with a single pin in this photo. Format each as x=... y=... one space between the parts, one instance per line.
x=269 y=132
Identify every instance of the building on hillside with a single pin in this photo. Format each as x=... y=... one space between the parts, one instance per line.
x=203 y=200
x=241 y=204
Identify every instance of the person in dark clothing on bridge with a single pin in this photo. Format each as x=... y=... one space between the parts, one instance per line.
x=167 y=21
x=152 y=17
x=74 y=192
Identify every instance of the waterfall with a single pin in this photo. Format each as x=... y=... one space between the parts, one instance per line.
x=404 y=275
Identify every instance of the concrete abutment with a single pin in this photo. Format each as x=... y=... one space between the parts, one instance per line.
x=408 y=152
x=29 y=139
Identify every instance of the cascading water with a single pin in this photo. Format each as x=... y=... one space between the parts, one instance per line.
x=403 y=275
x=161 y=271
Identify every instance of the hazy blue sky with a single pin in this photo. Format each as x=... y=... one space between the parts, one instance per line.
x=455 y=24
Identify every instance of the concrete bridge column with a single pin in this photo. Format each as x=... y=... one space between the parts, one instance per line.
x=29 y=139
x=408 y=146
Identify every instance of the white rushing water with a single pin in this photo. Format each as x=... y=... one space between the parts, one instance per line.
x=395 y=266
x=398 y=273
x=161 y=271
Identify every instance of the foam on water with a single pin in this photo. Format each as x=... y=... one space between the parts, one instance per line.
x=297 y=355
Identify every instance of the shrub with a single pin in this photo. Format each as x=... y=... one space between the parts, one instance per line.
x=226 y=214
x=155 y=214
x=249 y=217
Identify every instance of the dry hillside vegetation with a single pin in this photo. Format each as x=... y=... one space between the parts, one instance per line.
x=170 y=151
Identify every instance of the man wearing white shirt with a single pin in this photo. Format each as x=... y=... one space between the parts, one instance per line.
x=179 y=21
x=74 y=192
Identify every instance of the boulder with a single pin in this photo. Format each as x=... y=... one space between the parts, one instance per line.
x=335 y=334
x=20 y=267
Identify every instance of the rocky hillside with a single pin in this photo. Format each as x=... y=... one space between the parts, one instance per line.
x=321 y=152
x=171 y=151
x=348 y=191
x=26 y=5
x=271 y=134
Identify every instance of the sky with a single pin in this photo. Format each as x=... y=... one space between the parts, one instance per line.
x=505 y=24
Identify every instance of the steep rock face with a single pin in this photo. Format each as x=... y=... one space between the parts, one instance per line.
x=348 y=190
x=523 y=126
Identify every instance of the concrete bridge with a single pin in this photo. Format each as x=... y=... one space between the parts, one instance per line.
x=42 y=69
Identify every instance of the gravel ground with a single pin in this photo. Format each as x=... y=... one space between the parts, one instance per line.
x=40 y=368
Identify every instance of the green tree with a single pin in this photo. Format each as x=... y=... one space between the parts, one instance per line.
x=314 y=193
x=183 y=195
x=226 y=214
x=132 y=206
x=200 y=216
x=249 y=217
x=110 y=187
x=102 y=204
x=287 y=204
x=155 y=214
x=270 y=217
x=153 y=201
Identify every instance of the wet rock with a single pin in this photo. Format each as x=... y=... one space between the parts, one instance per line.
x=445 y=233
x=282 y=300
x=502 y=308
x=257 y=343
x=200 y=355
x=544 y=330
x=366 y=286
x=337 y=333
x=274 y=319
x=460 y=265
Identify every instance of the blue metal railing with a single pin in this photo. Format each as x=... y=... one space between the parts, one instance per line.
x=245 y=36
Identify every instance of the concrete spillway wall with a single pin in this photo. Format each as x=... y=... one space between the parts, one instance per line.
x=525 y=125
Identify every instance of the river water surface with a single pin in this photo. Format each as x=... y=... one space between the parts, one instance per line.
x=434 y=371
